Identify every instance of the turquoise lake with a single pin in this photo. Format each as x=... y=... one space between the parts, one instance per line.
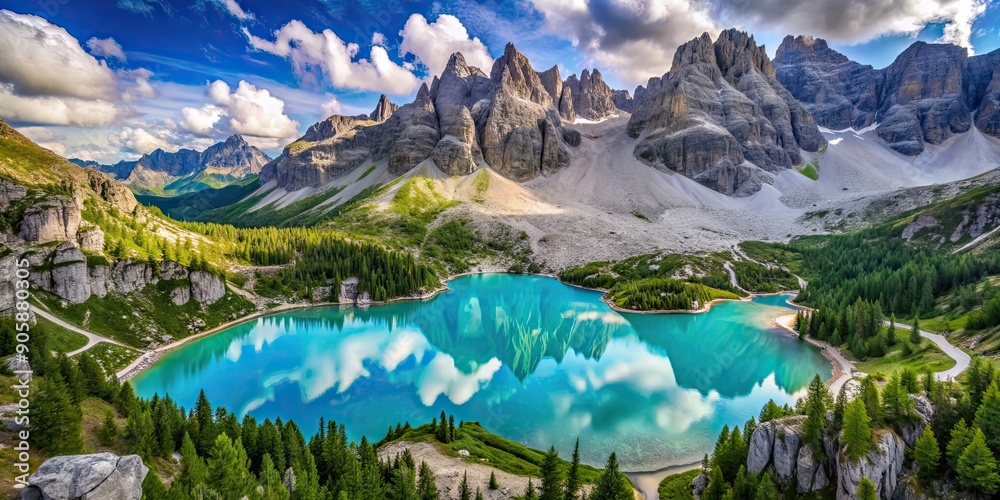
x=530 y=358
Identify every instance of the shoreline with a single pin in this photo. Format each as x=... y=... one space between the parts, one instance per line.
x=648 y=482
x=843 y=368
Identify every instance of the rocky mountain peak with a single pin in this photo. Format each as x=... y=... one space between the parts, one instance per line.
x=805 y=48
x=383 y=110
x=721 y=118
x=512 y=72
x=592 y=98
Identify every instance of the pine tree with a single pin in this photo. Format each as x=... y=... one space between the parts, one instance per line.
x=427 y=489
x=870 y=396
x=915 y=332
x=270 y=480
x=404 y=484
x=961 y=436
x=442 y=429
x=493 y=481
x=572 y=478
x=866 y=490
x=479 y=494
x=451 y=427
x=229 y=468
x=56 y=423
x=977 y=468
x=109 y=428
x=815 y=424
x=529 y=492
x=464 y=492
x=609 y=485
x=927 y=453
x=193 y=471
x=766 y=490
x=552 y=476
x=857 y=433
x=988 y=416
x=716 y=485
x=205 y=439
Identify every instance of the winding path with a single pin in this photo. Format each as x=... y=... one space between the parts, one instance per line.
x=962 y=359
x=92 y=338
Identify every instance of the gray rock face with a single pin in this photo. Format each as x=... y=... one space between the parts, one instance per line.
x=838 y=92
x=70 y=279
x=924 y=97
x=128 y=276
x=97 y=476
x=8 y=271
x=348 y=290
x=882 y=466
x=383 y=110
x=54 y=219
x=592 y=98
x=10 y=192
x=623 y=100
x=721 y=118
x=464 y=118
x=180 y=295
x=777 y=446
x=925 y=410
x=91 y=240
x=206 y=288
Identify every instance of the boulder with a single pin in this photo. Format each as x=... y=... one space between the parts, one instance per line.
x=180 y=295
x=698 y=484
x=54 y=219
x=883 y=466
x=91 y=240
x=69 y=276
x=348 y=290
x=322 y=294
x=97 y=476
x=206 y=288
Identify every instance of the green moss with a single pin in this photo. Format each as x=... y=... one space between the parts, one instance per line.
x=480 y=183
x=810 y=171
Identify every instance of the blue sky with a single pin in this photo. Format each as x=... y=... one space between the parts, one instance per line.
x=111 y=79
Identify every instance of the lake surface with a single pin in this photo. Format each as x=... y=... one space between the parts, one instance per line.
x=530 y=358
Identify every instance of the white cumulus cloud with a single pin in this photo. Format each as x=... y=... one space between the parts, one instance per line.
x=329 y=108
x=433 y=43
x=247 y=110
x=236 y=10
x=851 y=21
x=42 y=59
x=107 y=48
x=325 y=58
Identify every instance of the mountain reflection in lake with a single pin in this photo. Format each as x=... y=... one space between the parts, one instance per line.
x=530 y=358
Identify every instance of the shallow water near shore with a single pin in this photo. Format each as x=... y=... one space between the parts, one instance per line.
x=530 y=358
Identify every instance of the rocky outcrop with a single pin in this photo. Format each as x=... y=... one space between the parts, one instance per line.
x=180 y=295
x=55 y=219
x=383 y=110
x=777 y=446
x=883 y=466
x=91 y=239
x=925 y=412
x=101 y=475
x=70 y=279
x=8 y=271
x=348 y=290
x=925 y=96
x=592 y=98
x=10 y=192
x=721 y=118
x=206 y=288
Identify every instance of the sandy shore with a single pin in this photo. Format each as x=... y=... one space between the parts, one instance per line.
x=648 y=483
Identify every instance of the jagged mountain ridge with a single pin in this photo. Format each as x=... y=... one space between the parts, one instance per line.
x=233 y=158
x=721 y=117
x=927 y=95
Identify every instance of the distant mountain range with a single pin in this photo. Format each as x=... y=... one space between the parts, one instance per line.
x=929 y=93
x=186 y=170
